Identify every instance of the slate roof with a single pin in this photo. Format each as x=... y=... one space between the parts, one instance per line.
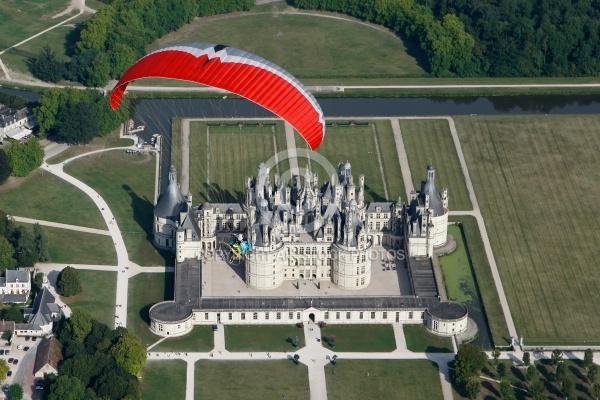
x=170 y=201
x=43 y=307
x=428 y=187
x=14 y=275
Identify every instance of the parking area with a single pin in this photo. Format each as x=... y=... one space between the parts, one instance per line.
x=20 y=356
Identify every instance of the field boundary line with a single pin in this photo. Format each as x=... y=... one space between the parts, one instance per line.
x=402 y=157
x=385 y=191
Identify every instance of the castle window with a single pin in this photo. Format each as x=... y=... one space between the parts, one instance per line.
x=357 y=269
x=230 y=316
x=297 y=315
x=337 y=315
x=360 y=315
x=291 y=316
x=378 y=225
x=356 y=281
x=302 y=262
x=329 y=262
x=384 y=315
x=266 y=315
x=301 y=250
x=362 y=281
x=410 y=315
x=314 y=250
x=326 y=314
x=205 y=315
x=364 y=257
x=422 y=315
x=278 y=315
x=243 y=316
x=373 y=315
x=362 y=269
x=348 y=315
x=254 y=315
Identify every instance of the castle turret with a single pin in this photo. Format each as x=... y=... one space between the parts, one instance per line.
x=166 y=213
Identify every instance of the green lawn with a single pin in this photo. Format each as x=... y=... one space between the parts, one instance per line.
x=251 y=380
x=21 y=19
x=164 y=379
x=101 y=142
x=527 y=172
x=461 y=286
x=66 y=246
x=485 y=280
x=368 y=338
x=145 y=290
x=49 y=198
x=358 y=144
x=329 y=47
x=234 y=153
x=419 y=340
x=127 y=184
x=200 y=339
x=98 y=295
x=262 y=338
x=383 y=379
x=430 y=140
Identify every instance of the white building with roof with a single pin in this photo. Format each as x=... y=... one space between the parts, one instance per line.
x=300 y=231
x=16 y=124
x=15 y=286
x=41 y=316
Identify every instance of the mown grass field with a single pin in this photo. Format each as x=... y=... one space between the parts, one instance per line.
x=262 y=338
x=98 y=295
x=358 y=145
x=126 y=182
x=67 y=246
x=145 y=290
x=383 y=379
x=430 y=140
x=376 y=338
x=419 y=339
x=49 y=198
x=21 y=19
x=164 y=379
x=222 y=156
x=98 y=143
x=535 y=177
x=330 y=47
x=201 y=338
x=251 y=380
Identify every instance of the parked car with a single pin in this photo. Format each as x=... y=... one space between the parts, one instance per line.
x=19 y=347
x=39 y=387
x=1 y=352
x=33 y=338
x=5 y=387
x=10 y=360
x=16 y=361
x=27 y=338
x=25 y=348
x=6 y=352
x=9 y=373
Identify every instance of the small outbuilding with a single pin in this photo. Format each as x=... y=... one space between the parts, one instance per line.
x=447 y=318
x=47 y=358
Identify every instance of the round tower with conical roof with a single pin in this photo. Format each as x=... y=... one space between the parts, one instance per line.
x=166 y=213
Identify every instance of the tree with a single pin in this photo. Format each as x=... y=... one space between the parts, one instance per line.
x=7 y=253
x=7 y=335
x=15 y=392
x=561 y=372
x=596 y=389
x=501 y=370
x=588 y=358
x=496 y=355
x=5 y=168
x=67 y=388
x=68 y=282
x=526 y=358
x=556 y=356
x=567 y=387
x=26 y=251
x=38 y=283
x=593 y=373
x=537 y=390
x=473 y=389
x=468 y=362
x=41 y=242
x=46 y=66
x=76 y=123
x=13 y=313
x=505 y=389
x=130 y=353
x=4 y=368
x=531 y=373
x=79 y=325
x=24 y=158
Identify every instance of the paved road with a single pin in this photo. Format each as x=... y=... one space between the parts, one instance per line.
x=402 y=157
x=59 y=225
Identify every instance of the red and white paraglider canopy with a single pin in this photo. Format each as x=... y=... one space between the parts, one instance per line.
x=236 y=71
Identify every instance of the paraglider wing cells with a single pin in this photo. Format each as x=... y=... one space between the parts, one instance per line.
x=236 y=71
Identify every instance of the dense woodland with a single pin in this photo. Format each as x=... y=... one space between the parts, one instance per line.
x=117 y=35
x=99 y=362
x=19 y=245
x=508 y=38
